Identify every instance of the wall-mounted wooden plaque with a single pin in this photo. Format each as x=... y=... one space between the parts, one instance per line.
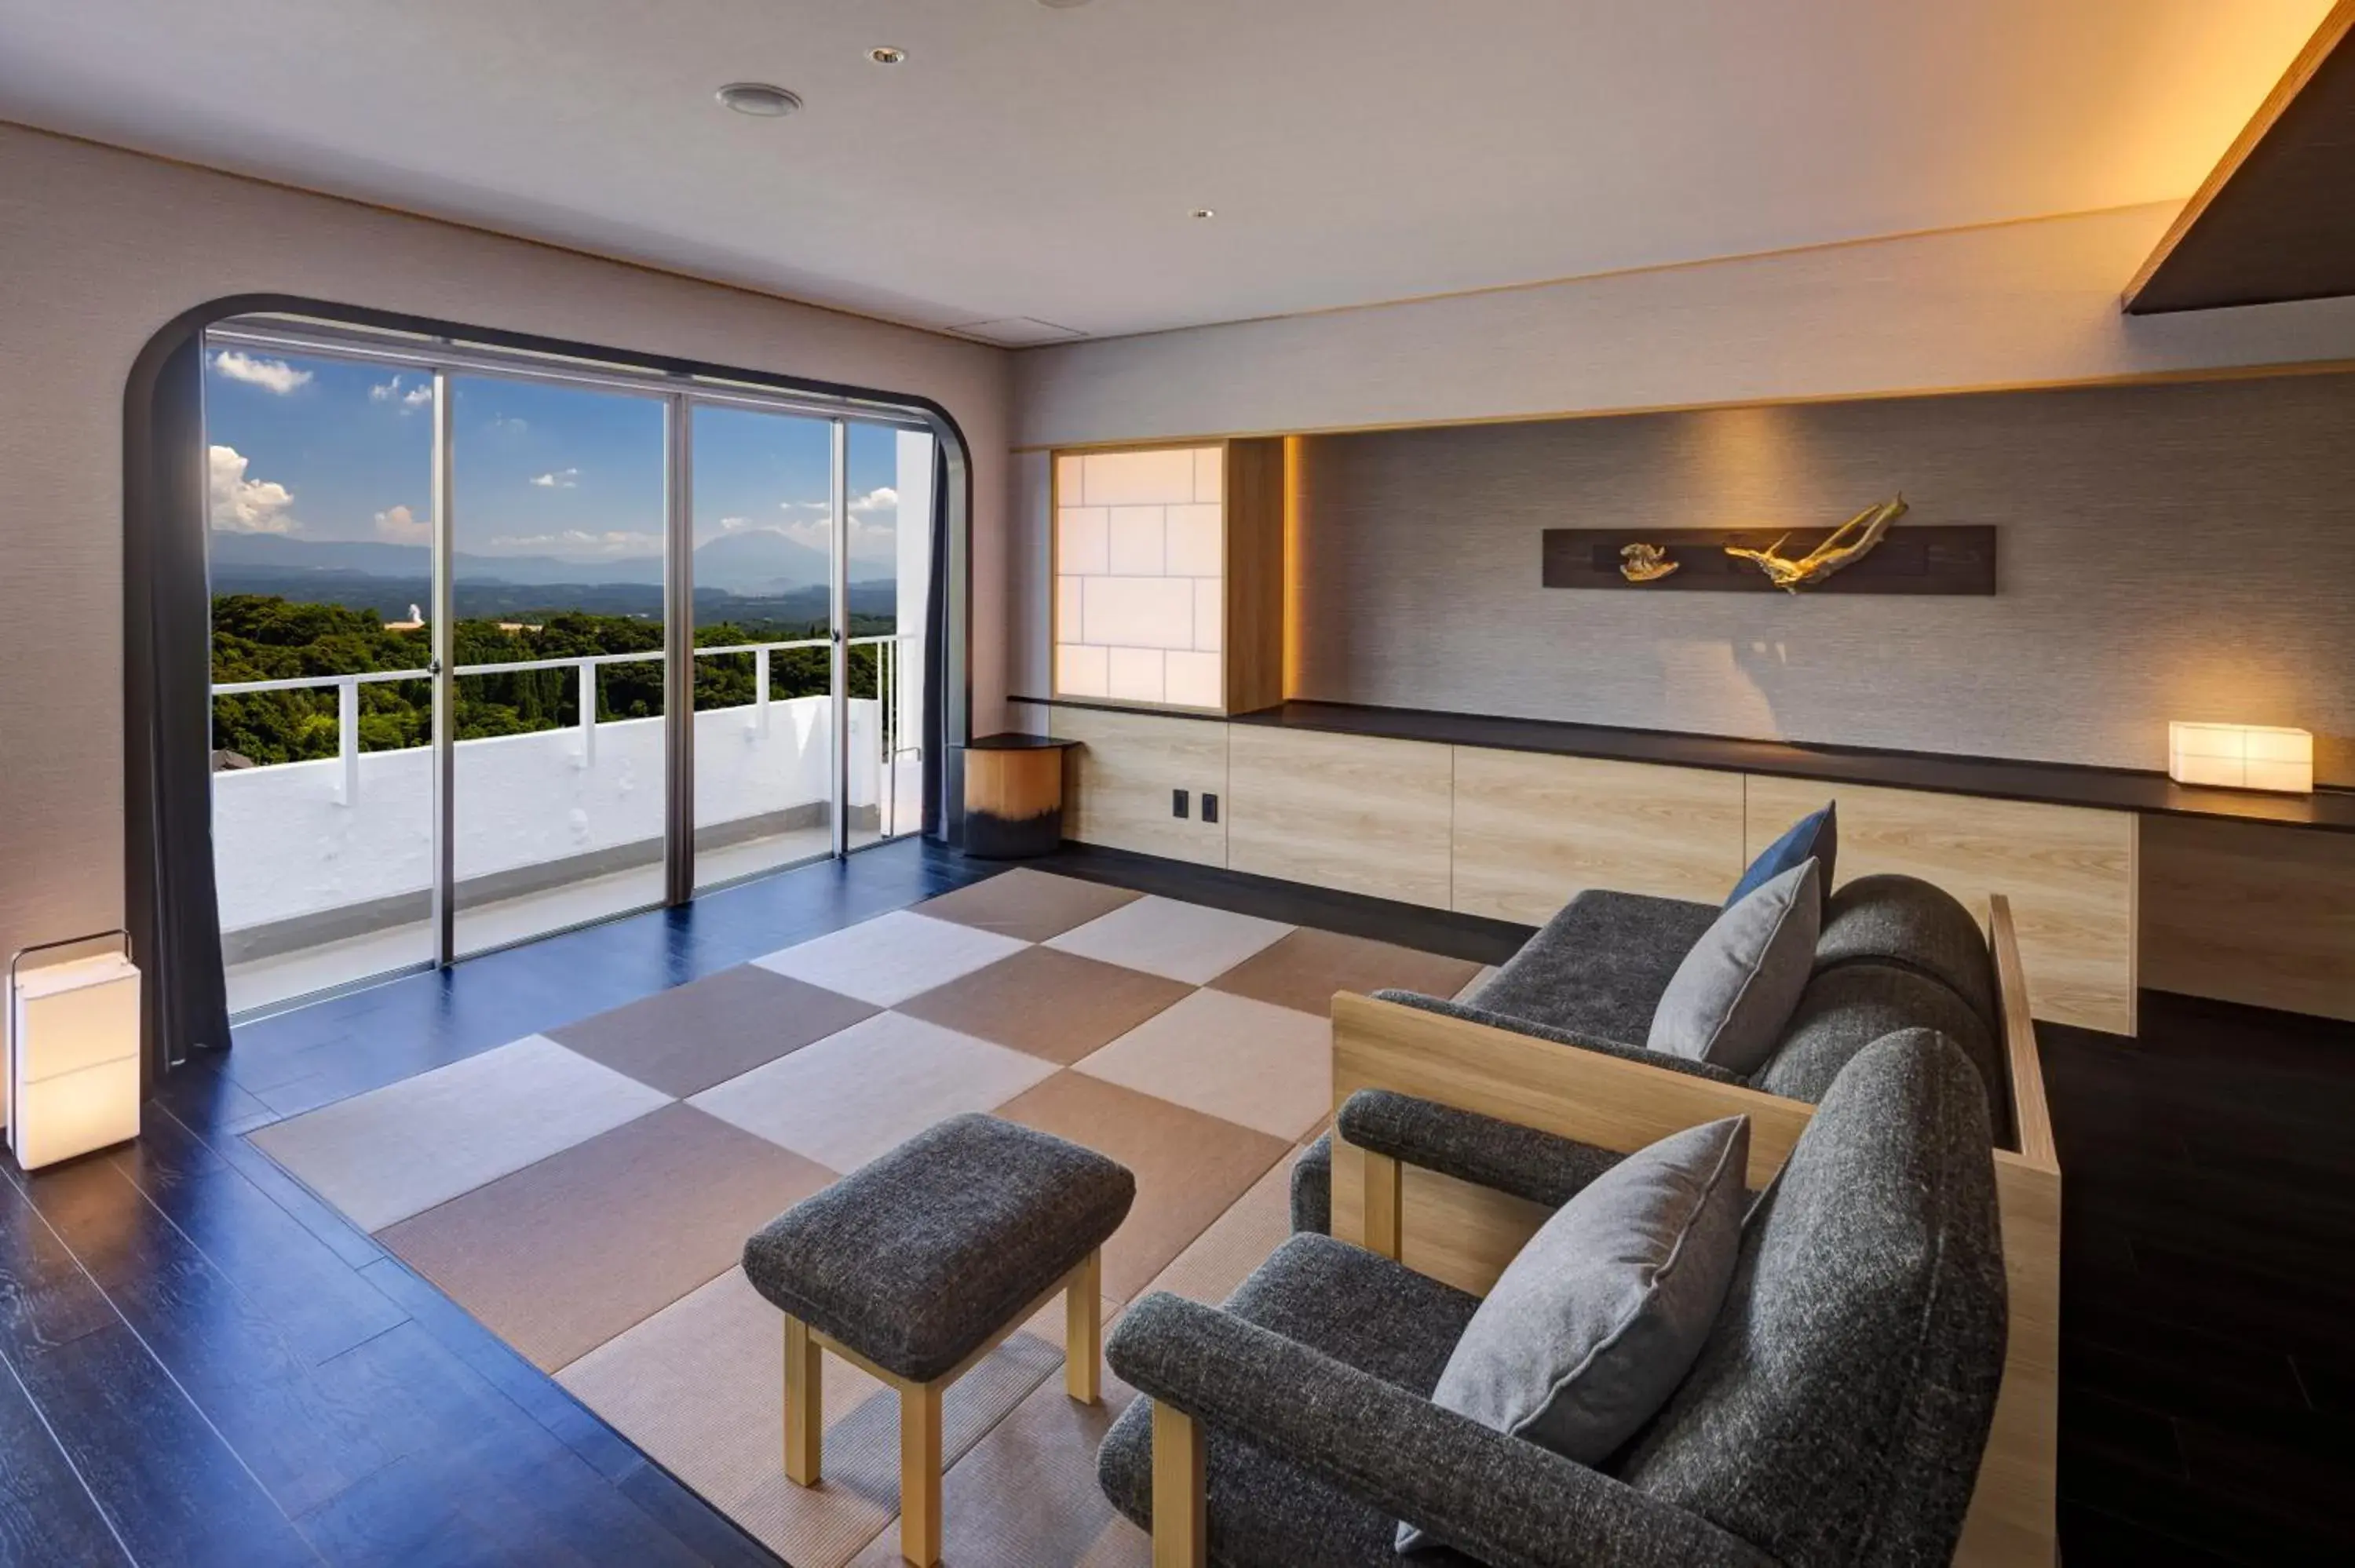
x=1958 y=559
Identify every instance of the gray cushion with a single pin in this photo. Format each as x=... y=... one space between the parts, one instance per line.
x=1361 y=1309
x=1735 y=989
x=1844 y=1009
x=1914 y=925
x=1599 y=966
x=1312 y=1188
x=1838 y=1412
x=1599 y=1316
x=916 y=1258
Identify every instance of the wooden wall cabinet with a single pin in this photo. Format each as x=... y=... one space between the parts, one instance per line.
x=2246 y=913
x=1117 y=788
x=1532 y=831
x=2069 y=871
x=1355 y=813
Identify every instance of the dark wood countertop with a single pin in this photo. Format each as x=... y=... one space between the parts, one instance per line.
x=2048 y=783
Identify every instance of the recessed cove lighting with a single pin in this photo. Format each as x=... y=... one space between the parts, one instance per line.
x=886 y=54
x=1063 y=4
x=759 y=97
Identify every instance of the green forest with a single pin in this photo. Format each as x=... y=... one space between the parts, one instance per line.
x=265 y=637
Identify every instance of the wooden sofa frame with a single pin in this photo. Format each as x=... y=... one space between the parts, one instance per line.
x=1466 y=1234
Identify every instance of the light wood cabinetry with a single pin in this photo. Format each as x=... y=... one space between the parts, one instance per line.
x=1117 y=791
x=1533 y=830
x=2246 y=913
x=2069 y=871
x=1362 y=814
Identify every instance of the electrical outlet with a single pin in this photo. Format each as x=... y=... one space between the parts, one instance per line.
x=1177 y=803
x=1209 y=808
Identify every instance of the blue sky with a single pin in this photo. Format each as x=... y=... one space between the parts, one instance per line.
x=329 y=449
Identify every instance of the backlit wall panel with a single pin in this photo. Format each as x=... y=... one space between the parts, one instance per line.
x=1140 y=576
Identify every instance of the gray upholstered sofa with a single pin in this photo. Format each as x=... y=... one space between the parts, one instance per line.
x=1837 y=1414
x=1895 y=953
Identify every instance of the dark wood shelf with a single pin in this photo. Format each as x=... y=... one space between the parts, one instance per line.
x=2048 y=783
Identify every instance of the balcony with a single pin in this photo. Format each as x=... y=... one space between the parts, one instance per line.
x=325 y=867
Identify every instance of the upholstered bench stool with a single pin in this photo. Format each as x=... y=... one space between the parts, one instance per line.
x=915 y=1266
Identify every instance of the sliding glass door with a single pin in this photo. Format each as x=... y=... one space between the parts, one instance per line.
x=498 y=654
x=556 y=566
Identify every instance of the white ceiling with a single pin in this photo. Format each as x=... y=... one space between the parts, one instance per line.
x=1030 y=161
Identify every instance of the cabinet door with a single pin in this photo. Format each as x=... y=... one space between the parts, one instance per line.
x=1341 y=811
x=1117 y=791
x=2247 y=912
x=1532 y=831
x=2069 y=872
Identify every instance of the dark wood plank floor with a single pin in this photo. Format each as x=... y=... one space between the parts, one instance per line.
x=200 y=1363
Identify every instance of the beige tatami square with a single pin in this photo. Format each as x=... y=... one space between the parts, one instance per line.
x=866 y=1090
x=891 y=957
x=700 y=1387
x=1162 y=937
x=1266 y=1067
x=1189 y=1166
x=396 y=1152
x=1051 y=1004
x=1030 y=904
x=563 y=1255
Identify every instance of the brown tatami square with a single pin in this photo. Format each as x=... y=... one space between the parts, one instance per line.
x=684 y=1040
x=1307 y=967
x=1031 y=904
x=562 y=1255
x=1190 y=1167
x=1052 y=1004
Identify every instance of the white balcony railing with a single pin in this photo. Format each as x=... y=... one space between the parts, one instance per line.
x=298 y=840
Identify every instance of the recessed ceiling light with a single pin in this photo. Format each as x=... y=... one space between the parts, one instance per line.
x=1203 y=212
x=886 y=54
x=759 y=97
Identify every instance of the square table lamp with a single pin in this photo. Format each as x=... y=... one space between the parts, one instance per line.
x=72 y=1084
x=2240 y=756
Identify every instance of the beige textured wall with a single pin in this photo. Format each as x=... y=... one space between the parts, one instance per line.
x=100 y=247
x=2179 y=551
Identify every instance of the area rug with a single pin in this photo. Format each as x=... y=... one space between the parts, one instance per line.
x=585 y=1192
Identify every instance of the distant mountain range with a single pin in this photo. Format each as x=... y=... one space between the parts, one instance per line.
x=758 y=563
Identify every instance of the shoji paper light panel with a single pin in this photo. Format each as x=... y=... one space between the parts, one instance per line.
x=2240 y=756
x=1140 y=584
x=73 y=1059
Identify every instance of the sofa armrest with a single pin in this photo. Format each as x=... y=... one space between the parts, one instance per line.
x=1502 y=1499
x=1502 y=1155
x=1472 y=1013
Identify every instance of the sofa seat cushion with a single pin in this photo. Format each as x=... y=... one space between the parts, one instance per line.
x=1364 y=1311
x=1913 y=925
x=1599 y=966
x=1844 y=1009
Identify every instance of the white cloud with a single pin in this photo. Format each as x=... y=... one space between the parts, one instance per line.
x=562 y=479
x=270 y=374
x=417 y=396
x=868 y=539
x=882 y=498
x=577 y=542
x=731 y=524
x=242 y=505
x=399 y=525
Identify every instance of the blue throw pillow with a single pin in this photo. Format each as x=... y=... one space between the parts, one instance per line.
x=1814 y=836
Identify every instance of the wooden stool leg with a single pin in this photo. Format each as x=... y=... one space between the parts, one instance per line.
x=1084 y=1331
x=805 y=1405
x=920 y=1473
x=1182 y=1502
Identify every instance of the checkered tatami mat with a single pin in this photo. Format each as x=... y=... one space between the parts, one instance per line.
x=585 y=1192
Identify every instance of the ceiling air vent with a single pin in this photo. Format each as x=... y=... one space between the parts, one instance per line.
x=1017 y=332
